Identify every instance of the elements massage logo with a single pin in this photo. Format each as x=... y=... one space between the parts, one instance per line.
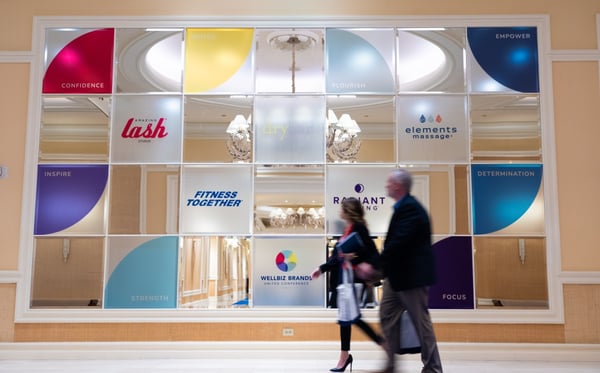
x=430 y=119
x=286 y=260
x=431 y=128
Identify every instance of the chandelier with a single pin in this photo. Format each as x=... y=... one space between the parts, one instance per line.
x=343 y=143
x=297 y=218
x=294 y=42
x=239 y=142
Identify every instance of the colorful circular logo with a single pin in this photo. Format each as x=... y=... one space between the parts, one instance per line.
x=286 y=260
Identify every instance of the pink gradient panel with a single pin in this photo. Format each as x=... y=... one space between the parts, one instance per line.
x=83 y=66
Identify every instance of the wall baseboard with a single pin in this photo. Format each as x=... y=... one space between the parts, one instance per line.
x=291 y=350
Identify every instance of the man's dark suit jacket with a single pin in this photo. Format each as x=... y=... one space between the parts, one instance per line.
x=407 y=256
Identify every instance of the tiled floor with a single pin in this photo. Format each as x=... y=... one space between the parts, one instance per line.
x=274 y=358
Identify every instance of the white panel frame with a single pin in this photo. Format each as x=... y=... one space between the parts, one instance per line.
x=23 y=278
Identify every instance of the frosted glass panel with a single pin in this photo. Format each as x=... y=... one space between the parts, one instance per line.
x=146 y=129
x=432 y=129
x=289 y=129
x=367 y=183
x=216 y=199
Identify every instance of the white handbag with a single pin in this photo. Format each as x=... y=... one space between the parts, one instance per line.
x=348 y=297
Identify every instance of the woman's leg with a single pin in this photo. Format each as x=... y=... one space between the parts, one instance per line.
x=345 y=335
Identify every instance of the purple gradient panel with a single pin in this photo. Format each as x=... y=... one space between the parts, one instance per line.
x=454 y=267
x=66 y=194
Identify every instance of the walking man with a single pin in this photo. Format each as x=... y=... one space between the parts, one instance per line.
x=409 y=269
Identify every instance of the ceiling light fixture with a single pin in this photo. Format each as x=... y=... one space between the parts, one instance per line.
x=294 y=42
x=239 y=143
x=343 y=143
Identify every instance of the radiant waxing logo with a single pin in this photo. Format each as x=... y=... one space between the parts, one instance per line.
x=368 y=202
x=431 y=128
x=359 y=188
x=144 y=129
x=286 y=260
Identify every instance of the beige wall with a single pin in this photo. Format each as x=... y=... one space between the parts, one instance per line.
x=576 y=100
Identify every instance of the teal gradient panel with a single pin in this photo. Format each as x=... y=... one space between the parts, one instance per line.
x=146 y=277
x=354 y=65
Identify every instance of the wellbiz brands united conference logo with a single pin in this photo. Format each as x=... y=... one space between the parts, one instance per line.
x=286 y=261
x=144 y=129
x=431 y=127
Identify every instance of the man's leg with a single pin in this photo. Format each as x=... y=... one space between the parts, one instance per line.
x=390 y=310
x=416 y=301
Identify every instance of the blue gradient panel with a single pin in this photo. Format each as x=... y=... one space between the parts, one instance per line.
x=502 y=194
x=355 y=65
x=454 y=270
x=66 y=194
x=146 y=277
x=508 y=55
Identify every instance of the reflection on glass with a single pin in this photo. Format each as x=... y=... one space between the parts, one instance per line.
x=431 y=60
x=371 y=136
x=68 y=272
x=446 y=196
x=214 y=272
x=144 y=200
x=289 y=60
x=74 y=128
x=510 y=272
x=505 y=128
x=289 y=200
x=212 y=132
x=149 y=61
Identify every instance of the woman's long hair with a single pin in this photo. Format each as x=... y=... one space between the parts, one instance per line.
x=354 y=210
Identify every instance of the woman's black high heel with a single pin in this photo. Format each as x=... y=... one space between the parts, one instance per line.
x=349 y=361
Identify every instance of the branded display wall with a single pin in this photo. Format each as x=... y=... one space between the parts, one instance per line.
x=230 y=133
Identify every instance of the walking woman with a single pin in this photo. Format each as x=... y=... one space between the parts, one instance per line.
x=352 y=213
